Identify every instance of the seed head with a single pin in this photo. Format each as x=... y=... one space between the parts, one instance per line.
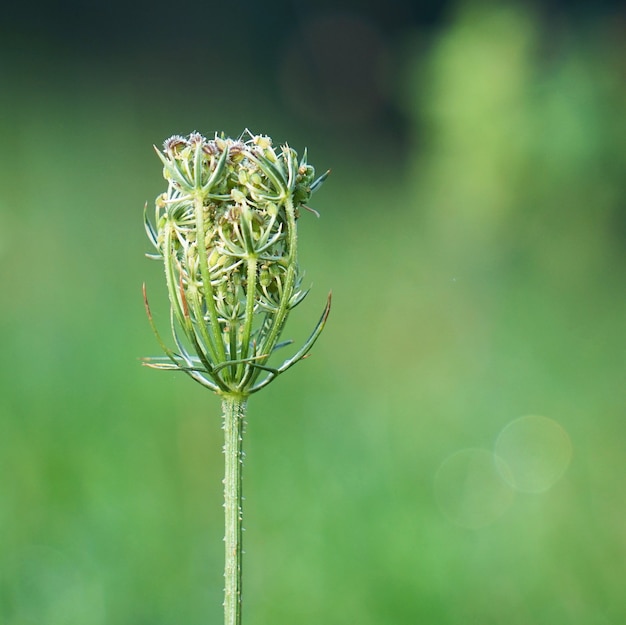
x=226 y=232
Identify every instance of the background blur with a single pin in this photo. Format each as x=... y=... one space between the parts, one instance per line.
x=454 y=451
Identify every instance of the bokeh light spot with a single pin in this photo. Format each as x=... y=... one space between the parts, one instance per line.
x=469 y=488
x=537 y=451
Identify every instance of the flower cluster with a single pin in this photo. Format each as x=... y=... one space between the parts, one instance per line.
x=226 y=231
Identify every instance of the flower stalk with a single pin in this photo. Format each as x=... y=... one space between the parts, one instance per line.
x=226 y=232
x=234 y=410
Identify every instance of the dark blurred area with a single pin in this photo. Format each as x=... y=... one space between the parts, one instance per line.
x=321 y=66
x=453 y=451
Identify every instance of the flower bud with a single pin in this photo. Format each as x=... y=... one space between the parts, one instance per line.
x=231 y=295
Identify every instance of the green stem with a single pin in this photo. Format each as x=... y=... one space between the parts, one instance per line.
x=242 y=374
x=290 y=279
x=218 y=346
x=234 y=410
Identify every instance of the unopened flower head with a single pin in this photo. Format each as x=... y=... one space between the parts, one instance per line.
x=226 y=232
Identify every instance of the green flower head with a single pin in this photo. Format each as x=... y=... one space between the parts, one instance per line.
x=226 y=232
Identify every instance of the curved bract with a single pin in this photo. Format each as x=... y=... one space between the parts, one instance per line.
x=226 y=232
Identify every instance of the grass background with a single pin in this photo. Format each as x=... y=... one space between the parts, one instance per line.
x=472 y=233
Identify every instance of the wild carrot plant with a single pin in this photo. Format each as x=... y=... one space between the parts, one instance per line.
x=226 y=232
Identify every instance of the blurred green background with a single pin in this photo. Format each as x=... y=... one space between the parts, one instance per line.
x=453 y=452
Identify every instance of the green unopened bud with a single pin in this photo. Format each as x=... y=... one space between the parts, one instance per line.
x=264 y=276
x=215 y=260
x=240 y=198
x=243 y=176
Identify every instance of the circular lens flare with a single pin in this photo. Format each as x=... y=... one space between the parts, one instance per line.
x=537 y=451
x=469 y=488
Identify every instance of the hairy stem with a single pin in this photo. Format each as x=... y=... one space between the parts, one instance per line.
x=234 y=410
